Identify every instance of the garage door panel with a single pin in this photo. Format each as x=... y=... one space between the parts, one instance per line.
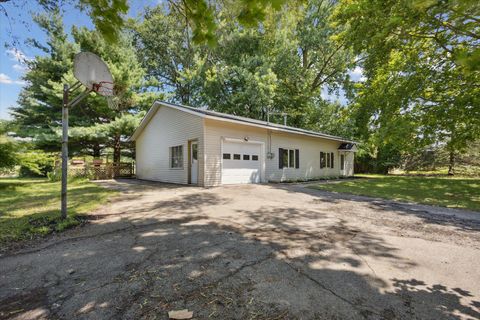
x=238 y=169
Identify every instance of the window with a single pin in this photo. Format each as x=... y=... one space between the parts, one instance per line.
x=327 y=160
x=246 y=157
x=176 y=157
x=323 y=162
x=226 y=156
x=236 y=157
x=254 y=157
x=194 y=151
x=291 y=158
x=342 y=162
x=284 y=158
x=288 y=158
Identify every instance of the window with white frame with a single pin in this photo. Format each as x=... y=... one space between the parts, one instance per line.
x=176 y=157
x=288 y=158
x=327 y=160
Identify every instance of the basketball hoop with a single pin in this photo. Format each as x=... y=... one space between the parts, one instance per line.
x=104 y=88
x=94 y=74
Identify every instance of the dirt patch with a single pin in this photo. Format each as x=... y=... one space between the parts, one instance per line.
x=29 y=305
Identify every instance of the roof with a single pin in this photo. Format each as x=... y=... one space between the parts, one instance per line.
x=347 y=147
x=208 y=114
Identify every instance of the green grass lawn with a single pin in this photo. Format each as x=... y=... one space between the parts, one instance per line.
x=31 y=207
x=451 y=192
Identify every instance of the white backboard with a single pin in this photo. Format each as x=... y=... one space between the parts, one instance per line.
x=93 y=73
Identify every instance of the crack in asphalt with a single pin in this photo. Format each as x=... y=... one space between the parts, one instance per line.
x=331 y=291
x=363 y=258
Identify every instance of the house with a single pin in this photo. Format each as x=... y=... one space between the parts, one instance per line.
x=180 y=144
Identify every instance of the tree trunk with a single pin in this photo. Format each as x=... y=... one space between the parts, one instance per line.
x=451 y=164
x=434 y=161
x=96 y=151
x=304 y=58
x=116 y=149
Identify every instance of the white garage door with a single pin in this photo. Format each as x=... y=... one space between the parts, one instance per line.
x=241 y=162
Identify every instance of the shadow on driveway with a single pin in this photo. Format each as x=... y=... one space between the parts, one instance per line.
x=172 y=254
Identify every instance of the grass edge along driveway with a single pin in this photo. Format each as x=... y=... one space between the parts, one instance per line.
x=444 y=191
x=31 y=207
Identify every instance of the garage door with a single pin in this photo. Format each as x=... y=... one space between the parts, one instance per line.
x=241 y=162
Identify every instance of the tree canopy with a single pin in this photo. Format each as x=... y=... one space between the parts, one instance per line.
x=421 y=60
x=38 y=113
x=418 y=60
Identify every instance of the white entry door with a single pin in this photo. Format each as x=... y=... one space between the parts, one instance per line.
x=241 y=162
x=194 y=162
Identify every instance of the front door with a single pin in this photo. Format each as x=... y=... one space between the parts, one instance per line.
x=194 y=162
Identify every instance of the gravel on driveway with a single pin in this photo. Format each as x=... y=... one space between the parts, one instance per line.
x=248 y=252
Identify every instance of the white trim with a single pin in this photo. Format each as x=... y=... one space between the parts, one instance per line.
x=266 y=127
x=170 y=158
x=242 y=140
x=340 y=155
x=204 y=146
x=294 y=157
x=190 y=144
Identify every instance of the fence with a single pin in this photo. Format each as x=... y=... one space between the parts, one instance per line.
x=100 y=171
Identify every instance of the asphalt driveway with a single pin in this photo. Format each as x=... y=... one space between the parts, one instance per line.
x=249 y=252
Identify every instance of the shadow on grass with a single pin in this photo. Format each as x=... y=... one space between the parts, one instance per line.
x=31 y=208
x=446 y=192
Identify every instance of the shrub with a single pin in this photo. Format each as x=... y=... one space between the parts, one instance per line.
x=36 y=163
x=8 y=155
x=55 y=175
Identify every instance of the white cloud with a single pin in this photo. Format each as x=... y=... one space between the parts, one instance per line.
x=20 y=58
x=17 y=55
x=19 y=67
x=357 y=74
x=5 y=79
x=357 y=71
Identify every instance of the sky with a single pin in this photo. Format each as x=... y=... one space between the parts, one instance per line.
x=12 y=66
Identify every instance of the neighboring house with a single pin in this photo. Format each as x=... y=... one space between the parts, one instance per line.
x=185 y=145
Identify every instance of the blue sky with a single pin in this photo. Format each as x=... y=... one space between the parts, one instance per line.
x=12 y=67
x=19 y=20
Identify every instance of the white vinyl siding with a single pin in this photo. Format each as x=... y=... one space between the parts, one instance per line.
x=170 y=127
x=349 y=158
x=215 y=133
x=309 y=151
x=166 y=129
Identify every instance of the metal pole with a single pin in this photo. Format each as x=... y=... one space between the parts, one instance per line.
x=64 y=150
